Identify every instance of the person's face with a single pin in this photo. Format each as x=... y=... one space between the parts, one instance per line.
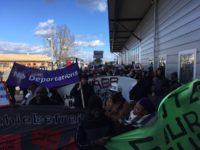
x=115 y=108
x=139 y=110
x=32 y=88
x=173 y=78
x=41 y=93
x=83 y=81
x=109 y=104
x=158 y=72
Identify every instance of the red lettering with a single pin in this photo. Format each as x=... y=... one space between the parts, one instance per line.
x=71 y=144
x=46 y=138
x=10 y=142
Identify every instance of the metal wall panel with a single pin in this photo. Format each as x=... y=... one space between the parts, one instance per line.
x=178 y=30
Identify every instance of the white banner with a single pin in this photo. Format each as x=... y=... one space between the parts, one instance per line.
x=102 y=85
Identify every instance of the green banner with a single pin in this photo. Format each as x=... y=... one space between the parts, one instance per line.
x=177 y=127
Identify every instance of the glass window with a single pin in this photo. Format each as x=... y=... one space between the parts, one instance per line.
x=162 y=63
x=187 y=62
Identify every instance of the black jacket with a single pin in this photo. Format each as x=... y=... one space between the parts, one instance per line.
x=139 y=91
x=88 y=91
x=92 y=128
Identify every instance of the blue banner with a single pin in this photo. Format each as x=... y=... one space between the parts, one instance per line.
x=24 y=76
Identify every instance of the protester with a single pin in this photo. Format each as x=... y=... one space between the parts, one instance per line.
x=11 y=90
x=56 y=96
x=140 y=90
x=87 y=90
x=30 y=95
x=159 y=86
x=142 y=114
x=116 y=107
x=173 y=83
x=95 y=129
x=41 y=97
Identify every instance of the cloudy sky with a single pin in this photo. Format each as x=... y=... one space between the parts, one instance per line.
x=25 y=24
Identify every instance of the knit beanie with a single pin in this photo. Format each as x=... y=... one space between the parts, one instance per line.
x=147 y=104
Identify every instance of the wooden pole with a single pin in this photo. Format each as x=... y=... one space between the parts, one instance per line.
x=82 y=97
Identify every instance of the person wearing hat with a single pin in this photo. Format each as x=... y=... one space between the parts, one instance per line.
x=142 y=114
x=116 y=107
x=87 y=91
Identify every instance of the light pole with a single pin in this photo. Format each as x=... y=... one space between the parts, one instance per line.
x=52 y=50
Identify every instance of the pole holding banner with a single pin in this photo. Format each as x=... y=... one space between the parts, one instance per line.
x=82 y=97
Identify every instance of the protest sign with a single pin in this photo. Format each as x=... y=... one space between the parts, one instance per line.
x=5 y=99
x=98 y=54
x=23 y=76
x=38 y=127
x=102 y=85
x=177 y=127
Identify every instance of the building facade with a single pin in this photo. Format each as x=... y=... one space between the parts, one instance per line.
x=170 y=37
x=34 y=61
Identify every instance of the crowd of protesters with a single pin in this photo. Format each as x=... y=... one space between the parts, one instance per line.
x=114 y=115
x=117 y=113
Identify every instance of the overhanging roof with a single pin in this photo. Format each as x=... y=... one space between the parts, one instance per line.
x=124 y=16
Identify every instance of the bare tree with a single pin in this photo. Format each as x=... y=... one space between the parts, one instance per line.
x=61 y=42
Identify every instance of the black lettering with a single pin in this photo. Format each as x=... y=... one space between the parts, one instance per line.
x=179 y=146
x=164 y=111
x=177 y=101
x=166 y=137
x=191 y=118
x=156 y=148
x=195 y=88
x=175 y=136
x=105 y=82
x=97 y=83
x=175 y=95
x=194 y=144
x=135 y=143
x=113 y=80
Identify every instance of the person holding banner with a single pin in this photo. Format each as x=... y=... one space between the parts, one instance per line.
x=95 y=129
x=116 y=108
x=160 y=86
x=30 y=95
x=140 y=90
x=116 y=105
x=82 y=92
x=41 y=97
x=11 y=90
x=142 y=114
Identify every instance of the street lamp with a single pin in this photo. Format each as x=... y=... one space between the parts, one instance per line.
x=52 y=50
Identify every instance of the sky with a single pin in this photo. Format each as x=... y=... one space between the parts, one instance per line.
x=23 y=24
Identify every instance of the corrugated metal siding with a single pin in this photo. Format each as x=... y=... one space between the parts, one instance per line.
x=146 y=32
x=178 y=30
